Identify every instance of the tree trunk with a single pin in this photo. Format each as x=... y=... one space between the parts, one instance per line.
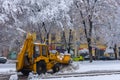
x=64 y=40
x=89 y=39
x=88 y=34
x=69 y=43
x=90 y=49
x=39 y=36
x=47 y=37
x=115 y=51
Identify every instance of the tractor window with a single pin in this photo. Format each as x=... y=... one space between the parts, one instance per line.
x=44 y=51
x=37 y=52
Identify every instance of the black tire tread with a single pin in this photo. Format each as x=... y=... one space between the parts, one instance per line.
x=41 y=64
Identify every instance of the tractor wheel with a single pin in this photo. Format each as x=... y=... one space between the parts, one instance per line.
x=41 y=67
x=25 y=72
x=70 y=61
x=56 y=68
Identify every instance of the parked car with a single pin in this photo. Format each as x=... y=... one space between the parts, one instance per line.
x=87 y=57
x=3 y=59
x=78 y=58
x=106 y=58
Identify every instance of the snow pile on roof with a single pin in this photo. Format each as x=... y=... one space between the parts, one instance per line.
x=109 y=50
x=71 y=52
x=83 y=51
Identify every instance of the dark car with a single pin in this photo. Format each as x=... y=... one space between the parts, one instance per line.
x=106 y=58
x=3 y=59
x=87 y=57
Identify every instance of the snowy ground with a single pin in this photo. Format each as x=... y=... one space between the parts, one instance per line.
x=84 y=66
x=106 y=77
x=98 y=65
x=7 y=68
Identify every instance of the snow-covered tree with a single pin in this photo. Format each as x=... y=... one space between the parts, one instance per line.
x=92 y=16
x=18 y=17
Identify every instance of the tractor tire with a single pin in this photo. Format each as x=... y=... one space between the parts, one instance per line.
x=56 y=68
x=41 y=67
x=25 y=72
x=70 y=61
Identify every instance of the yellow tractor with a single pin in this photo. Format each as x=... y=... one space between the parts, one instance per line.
x=37 y=58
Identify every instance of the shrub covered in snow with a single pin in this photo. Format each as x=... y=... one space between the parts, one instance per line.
x=13 y=77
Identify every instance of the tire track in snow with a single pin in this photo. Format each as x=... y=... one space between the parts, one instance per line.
x=5 y=77
x=84 y=74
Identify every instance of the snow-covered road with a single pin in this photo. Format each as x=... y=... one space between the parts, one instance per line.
x=98 y=65
x=103 y=77
x=7 y=68
x=84 y=66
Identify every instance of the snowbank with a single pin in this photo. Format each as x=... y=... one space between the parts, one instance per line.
x=13 y=77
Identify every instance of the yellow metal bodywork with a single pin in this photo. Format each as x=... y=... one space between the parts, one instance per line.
x=60 y=58
x=26 y=48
